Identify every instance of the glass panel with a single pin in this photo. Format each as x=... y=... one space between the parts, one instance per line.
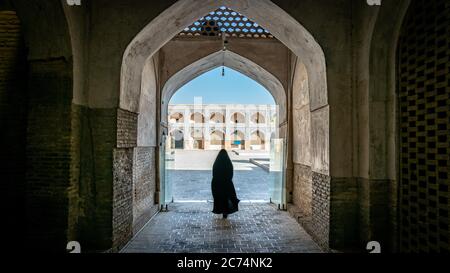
x=277 y=173
x=170 y=162
x=162 y=171
x=166 y=159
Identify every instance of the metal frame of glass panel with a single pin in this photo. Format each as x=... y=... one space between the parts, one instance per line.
x=277 y=173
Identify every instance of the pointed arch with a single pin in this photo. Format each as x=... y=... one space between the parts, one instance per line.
x=233 y=61
x=265 y=12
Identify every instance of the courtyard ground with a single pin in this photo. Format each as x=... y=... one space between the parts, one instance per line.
x=190 y=173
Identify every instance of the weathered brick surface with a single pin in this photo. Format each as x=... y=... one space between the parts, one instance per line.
x=344 y=225
x=13 y=120
x=424 y=128
x=102 y=124
x=144 y=185
x=74 y=187
x=48 y=153
x=122 y=197
x=302 y=190
x=90 y=201
x=377 y=212
x=311 y=203
x=321 y=209
x=133 y=191
x=380 y=212
x=126 y=129
x=364 y=209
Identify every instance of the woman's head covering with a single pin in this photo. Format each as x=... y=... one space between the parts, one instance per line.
x=223 y=155
x=223 y=167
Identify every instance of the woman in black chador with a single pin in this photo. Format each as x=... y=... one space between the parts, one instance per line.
x=224 y=194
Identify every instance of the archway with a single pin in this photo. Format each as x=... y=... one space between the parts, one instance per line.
x=237 y=118
x=234 y=61
x=177 y=139
x=198 y=139
x=258 y=140
x=176 y=118
x=217 y=118
x=217 y=141
x=140 y=58
x=238 y=140
x=197 y=118
x=258 y=118
x=221 y=107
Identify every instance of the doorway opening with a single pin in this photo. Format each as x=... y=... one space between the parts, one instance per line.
x=164 y=57
x=221 y=118
x=176 y=140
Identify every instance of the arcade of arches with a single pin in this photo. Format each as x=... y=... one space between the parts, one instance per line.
x=245 y=127
x=362 y=92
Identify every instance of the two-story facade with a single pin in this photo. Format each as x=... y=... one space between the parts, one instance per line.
x=213 y=127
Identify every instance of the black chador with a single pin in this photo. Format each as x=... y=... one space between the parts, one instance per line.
x=224 y=193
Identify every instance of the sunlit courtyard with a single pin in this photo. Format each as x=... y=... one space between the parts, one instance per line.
x=190 y=173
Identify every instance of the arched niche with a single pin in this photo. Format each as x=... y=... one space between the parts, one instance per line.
x=217 y=118
x=237 y=118
x=176 y=118
x=258 y=118
x=197 y=118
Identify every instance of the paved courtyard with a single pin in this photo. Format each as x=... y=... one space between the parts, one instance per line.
x=190 y=173
x=192 y=228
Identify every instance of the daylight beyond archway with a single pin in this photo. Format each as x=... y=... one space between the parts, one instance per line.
x=221 y=109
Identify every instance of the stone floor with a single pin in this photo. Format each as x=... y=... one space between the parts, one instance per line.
x=192 y=228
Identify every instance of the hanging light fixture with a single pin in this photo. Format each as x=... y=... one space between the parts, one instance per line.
x=224 y=49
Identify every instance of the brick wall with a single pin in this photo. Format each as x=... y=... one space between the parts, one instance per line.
x=74 y=187
x=144 y=185
x=134 y=181
x=127 y=124
x=364 y=209
x=98 y=174
x=321 y=208
x=122 y=202
x=122 y=197
x=91 y=184
x=377 y=213
x=48 y=153
x=311 y=203
x=13 y=119
x=424 y=128
x=302 y=189
x=344 y=214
